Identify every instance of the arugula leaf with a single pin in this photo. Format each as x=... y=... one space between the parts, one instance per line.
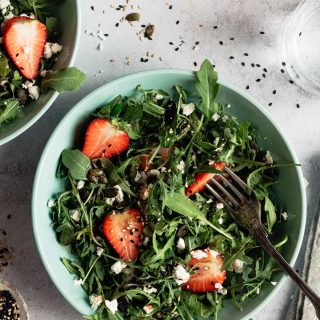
x=208 y=88
x=77 y=163
x=179 y=203
x=4 y=66
x=68 y=79
x=8 y=110
x=271 y=213
x=53 y=26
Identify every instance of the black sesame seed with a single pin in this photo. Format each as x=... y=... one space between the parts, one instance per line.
x=263 y=75
x=4 y=232
x=270 y=104
x=197 y=43
x=258 y=65
x=143 y=26
x=291 y=81
x=247 y=87
x=9 y=216
x=274 y=91
x=215 y=27
x=92 y=8
x=261 y=32
x=117 y=24
x=176 y=49
x=136 y=229
x=141 y=59
x=282 y=71
x=258 y=80
x=298 y=105
x=283 y=63
x=118 y=9
x=121 y=239
x=146 y=60
x=300 y=34
x=177 y=22
x=231 y=39
x=252 y=65
x=195 y=63
x=149 y=38
x=246 y=54
x=265 y=70
x=170 y=7
x=106 y=35
x=171 y=43
x=243 y=64
x=231 y=57
x=132 y=241
x=131 y=233
x=221 y=43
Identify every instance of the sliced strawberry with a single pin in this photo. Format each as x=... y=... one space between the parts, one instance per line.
x=103 y=140
x=124 y=232
x=207 y=272
x=163 y=152
x=201 y=179
x=24 y=40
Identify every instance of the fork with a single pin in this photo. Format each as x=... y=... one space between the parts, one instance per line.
x=245 y=209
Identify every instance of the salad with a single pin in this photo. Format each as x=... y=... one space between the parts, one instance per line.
x=148 y=242
x=28 y=52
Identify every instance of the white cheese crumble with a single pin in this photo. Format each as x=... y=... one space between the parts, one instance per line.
x=112 y=305
x=4 y=4
x=181 y=166
x=119 y=197
x=215 y=117
x=28 y=84
x=150 y=290
x=187 y=109
x=218 y=285
x=219 y=206
x=146 y=241
x=198 y=254
x=75 y=215
x=95 y=301
x=274 y=283
x=34 y=92
x=118 y=266
x=225 y=118
x=268 y=158
x=51 y=203
x=285 y=215
x=237 y=266
x=214 y=253
x=220 y=221
x=180 y=274
x=223 y=291
x=80 y=184
x=99 y=251
x=78 y=282
x=159 y=96
x=181 y=245
x=50 y=49
x=148 y=308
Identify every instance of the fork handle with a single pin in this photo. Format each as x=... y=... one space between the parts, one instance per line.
x=259 y=234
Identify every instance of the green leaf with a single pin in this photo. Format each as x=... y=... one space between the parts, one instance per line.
x=8 y=110
x=53 y=25
x=4 y=66
x=68 y=79
x=179 y=203
x=271 y=213
x=77 y=163
x=208 y=88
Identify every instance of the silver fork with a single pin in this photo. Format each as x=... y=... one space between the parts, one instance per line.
x=245 y=209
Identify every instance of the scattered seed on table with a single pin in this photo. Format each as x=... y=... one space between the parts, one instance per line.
x=177 y=22
x=258 y=80
x=117 y=24
x=246 y=54
x=265 y=70
x=270 y=104
x=252 y=65
x=274 y=91
x=298 y=105
x=171 y=43
x=9 y=216
x=300 y=34
x=282 y=71
x=221 y=43
x=231 y=57
x=143 y=26
x=262 y=32
x=197 y=43
x=247 y=87
x=170 y=7
x=231 y=39
x=92 y=8
x=243 y=64
x=291 y=81
x=215 y=27
x=176 y=49
x=106 y=35
x=263 y=75
x=283 y=63
x=195 y=63
x=141 y=59
x=258 y=65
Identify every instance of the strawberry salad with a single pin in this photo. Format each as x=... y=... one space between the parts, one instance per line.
x=148 y=242
x=28 y=52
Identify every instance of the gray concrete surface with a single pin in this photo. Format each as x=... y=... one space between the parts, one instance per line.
x=242 y=20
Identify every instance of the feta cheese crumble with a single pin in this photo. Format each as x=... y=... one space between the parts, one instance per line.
x=148 y=308
x=78 y=282
x=285 y=215
x=51 y=203
x=180 y=274
x=268 y=158
x=80 y=184
x=112 y=305
x=159 y=96
x=119 y=197
x=95 y=301
x=99 y=251
x=187 y=109
x=75 y=215
x=274 y=283
x=50 y=49
x=198 y=254
x=181 y=166
x=150 y=290
x=219 y=206
x=220 y=221
x=215 y=117
x=118 y=266
x=237 y=266
x=181 y=245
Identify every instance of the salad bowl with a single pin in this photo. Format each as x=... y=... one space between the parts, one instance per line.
x=289 y=191
x=68 y=13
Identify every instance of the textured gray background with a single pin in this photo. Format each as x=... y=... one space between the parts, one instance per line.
x=242 y=20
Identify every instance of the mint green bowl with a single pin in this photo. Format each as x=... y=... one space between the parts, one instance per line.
x=69 y=134
x=69 y=14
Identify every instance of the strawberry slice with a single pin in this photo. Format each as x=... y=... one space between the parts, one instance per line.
x=207 y=270
x=201 y=179
x=163 y=152
x=124 y=232
x=24 y=40
x=103 y=140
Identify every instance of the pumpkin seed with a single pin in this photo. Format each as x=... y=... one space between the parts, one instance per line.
x=149 y=31
x=96 y=172
x=131 y=17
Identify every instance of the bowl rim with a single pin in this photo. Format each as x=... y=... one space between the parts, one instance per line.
x=54 y=94
x=182 y=72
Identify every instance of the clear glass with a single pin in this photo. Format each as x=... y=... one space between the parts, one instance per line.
x=301 y=46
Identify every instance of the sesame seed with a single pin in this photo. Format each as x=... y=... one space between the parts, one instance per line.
x=92 y=8
x=284 y=64
x=258 y=65
x=282 y=71
x=177 y=22
x=195 y=63
x=197 y=43
x=270 y=104
x=170 y=7
x=258 y=80
x=298 y=105
x=231 y=57
x=117 y=24
x=263 y=75
x=265 y=70
x=231 y=39
x=171 y=43
x=176 y=49
x=215 y=27
x=274 y=91
x=221 y=43
x=246 y=54
x=252 y=65
x=243 y=64
x=262 y=32
x=247 y=87
x=300 y=33
x=291 y=81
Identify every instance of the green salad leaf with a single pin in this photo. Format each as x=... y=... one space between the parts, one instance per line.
x=8 y=110
x=77 y=163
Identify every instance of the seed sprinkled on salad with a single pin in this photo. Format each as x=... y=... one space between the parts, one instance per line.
x=148 y=242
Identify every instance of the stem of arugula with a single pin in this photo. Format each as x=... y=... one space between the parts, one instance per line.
x=92 y=266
